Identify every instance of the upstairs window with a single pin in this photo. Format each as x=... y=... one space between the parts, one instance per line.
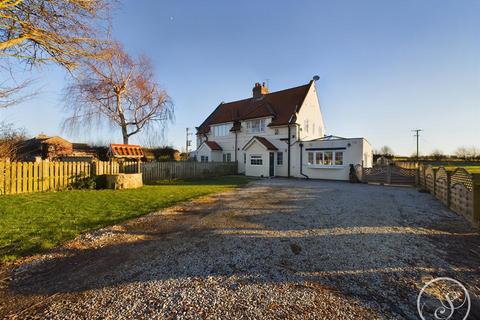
x=221 y=130
x=255 y=126
x=305 y=125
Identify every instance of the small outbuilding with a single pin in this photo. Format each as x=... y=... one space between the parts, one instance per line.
x=330 y=157
x=209 y=151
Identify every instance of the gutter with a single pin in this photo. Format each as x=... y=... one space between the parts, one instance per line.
x=301 y=161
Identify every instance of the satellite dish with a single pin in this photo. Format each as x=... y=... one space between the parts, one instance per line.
x=316 y=78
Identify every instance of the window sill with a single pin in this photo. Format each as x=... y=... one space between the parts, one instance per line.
x=313 y=166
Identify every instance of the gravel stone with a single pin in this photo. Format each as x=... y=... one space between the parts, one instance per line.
x=278 y=248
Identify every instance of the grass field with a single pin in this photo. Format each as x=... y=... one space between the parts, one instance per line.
x=32 y=223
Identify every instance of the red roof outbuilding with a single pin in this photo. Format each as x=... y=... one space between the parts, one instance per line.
x=126 y=151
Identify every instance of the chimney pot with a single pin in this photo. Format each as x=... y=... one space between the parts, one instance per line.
x=259 y=90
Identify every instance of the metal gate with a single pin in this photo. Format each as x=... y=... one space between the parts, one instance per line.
x=389 y=175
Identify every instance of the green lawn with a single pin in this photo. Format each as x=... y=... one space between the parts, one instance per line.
x=34 y=222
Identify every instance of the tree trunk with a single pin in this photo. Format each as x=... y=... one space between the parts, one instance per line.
x=123 y=123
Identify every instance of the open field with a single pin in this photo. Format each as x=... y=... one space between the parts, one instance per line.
x=34 y=222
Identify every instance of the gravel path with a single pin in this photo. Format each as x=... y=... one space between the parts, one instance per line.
x=275 y=249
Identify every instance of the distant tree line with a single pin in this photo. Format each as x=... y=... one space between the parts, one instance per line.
x=462 y=153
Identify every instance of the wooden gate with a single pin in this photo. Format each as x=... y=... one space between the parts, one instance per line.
x=389 y=175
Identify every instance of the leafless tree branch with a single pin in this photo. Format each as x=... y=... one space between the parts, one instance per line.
x=119 y=90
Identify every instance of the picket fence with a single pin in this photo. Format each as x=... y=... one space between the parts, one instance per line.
x=152 y=171
x=29 y=177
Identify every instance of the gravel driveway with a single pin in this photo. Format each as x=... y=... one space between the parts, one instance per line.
x=275 y=249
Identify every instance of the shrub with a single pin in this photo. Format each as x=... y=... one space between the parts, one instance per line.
x=83 y=182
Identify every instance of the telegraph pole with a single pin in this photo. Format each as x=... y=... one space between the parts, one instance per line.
x=187 y=140
x=417 y=135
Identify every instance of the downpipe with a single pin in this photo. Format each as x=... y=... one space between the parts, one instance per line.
x=301 y=161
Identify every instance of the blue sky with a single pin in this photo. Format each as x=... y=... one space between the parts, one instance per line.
x=386 y=67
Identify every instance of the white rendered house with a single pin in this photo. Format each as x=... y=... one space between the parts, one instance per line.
x=267 y=134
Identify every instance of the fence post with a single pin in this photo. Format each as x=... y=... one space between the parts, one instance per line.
x=417 y=177
x=2 y=177
x=476 y=198
x=449 y=177
x=389 y=174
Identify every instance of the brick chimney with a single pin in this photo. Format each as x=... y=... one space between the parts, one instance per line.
x=259 y=90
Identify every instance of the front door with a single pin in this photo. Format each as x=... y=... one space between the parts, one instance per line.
x=271 y=164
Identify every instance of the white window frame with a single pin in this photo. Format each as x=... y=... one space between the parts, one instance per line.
x=316 y=159
x=227 y=157
x=257 y=158
x=203 y=158
x=256 y=125
x=280 y=163
x=221 y=130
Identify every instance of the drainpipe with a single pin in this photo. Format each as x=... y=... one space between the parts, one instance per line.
x=301 y=161
x=288 y=153
x=236 y=146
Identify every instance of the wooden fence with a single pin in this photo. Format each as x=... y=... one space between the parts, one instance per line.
x=389 y=174
x=29 y=177
x=458 y=190
x=152 y=171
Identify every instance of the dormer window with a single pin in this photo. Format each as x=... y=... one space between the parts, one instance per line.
x=255 y=126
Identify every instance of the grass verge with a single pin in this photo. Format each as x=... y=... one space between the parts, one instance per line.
x=36 y=222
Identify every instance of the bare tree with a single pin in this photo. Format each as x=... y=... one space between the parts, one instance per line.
x=119 y=90
x=437 y=155
x=385 y=151
x=473 y=153
x=11 y=91
x=50 y=30
x=462 y=153
x=10 y=137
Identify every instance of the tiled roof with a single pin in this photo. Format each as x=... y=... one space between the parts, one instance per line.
x=126 y=151
x=213 y=145
x=266 y=143
x=263 y=141
x=281 y=105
